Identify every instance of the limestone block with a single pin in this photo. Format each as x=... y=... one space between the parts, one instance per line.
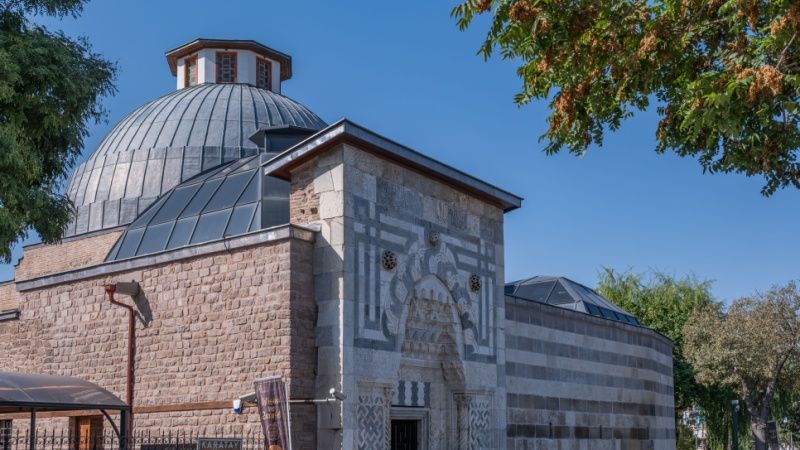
x=331 y=204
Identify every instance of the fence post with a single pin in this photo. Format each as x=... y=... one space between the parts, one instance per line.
x=123 y=429
x=32 y=442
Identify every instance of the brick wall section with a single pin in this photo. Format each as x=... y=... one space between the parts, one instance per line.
x=575 y=378
x=303 y=200
x=303 y=363
x=48 y=259
x=208 y=327
x=9 y=298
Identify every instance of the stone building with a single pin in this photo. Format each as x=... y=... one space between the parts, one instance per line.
x=266 y=241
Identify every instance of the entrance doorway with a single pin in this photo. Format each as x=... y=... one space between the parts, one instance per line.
x=406 y=435
x=88 y=433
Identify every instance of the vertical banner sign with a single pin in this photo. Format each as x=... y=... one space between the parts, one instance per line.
x=273 y=408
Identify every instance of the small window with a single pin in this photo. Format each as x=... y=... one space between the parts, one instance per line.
x=190 y=71
x=226 y=67
x=264 y=74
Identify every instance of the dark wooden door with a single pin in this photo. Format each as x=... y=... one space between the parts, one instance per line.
x=405 y=435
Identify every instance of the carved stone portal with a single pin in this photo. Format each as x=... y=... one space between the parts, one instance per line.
x=431 y=379
x=431 y=354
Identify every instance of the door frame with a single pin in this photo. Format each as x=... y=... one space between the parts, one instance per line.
x=412 y=413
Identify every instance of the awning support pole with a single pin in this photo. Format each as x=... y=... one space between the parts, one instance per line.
x=124 y=439
x=33 y=429
x=113 y=425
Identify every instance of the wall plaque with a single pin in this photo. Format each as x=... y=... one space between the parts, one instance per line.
x=219 y=444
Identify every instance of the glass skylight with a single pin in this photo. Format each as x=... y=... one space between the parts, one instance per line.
x=225 y=201
x=565 y=293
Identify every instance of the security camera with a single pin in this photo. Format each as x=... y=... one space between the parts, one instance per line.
x=237 y=406
x=337 y=394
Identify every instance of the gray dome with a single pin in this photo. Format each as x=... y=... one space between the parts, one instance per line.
x=170 y=140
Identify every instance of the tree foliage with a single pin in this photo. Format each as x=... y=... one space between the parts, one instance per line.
x=753 y=346
x=665 y=304
x=724 y=74
x=50 y=86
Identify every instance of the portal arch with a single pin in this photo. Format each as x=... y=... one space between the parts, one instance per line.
x=431 y=370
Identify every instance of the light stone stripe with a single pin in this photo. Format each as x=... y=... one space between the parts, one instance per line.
x=552 y=317
x=459 y=242
x=579 y=405
x=532 y=345
x=582 y=365
x=588 y=392
x=591 y=342
x=547 y=372
x=561 y=319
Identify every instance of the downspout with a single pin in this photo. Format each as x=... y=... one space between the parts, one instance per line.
x=131 y=289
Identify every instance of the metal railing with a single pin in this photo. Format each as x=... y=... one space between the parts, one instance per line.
x=64 y=440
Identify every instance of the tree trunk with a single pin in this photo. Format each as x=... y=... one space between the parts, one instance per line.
x=758 y=425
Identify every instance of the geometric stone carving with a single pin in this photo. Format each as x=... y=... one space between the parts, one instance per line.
x=412 y=393
x=432 y=331
x=372 y=414
x=474 y=421
x=388 y=260
x=474 y=283
x=480 y=423
x=433 y=238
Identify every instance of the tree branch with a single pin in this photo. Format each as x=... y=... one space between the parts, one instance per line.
x=783 y=52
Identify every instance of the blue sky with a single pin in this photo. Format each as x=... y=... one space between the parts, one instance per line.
x=404 y=70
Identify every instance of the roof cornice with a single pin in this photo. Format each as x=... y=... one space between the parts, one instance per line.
x=106 y=268
x=347 y=131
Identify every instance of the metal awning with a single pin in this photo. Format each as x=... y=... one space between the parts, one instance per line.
x=33 y=393
x=21 y=392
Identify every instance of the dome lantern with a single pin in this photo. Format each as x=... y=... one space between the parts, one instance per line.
x=222 y=61
x=227 y=106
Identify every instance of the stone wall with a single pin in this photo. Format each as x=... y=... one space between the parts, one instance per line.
x=304 y=194
x=577 y=381
x=440 y=237
x=9 y=298
x=42 y=260
x=316 y=198
x=207 y=327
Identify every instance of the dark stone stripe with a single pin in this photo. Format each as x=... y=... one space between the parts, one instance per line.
x=534 y=372
x=541 y=403
x=549 y=431
x=552 y=317
x=401 y=392
x=532 y=345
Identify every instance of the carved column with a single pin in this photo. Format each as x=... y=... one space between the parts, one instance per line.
x=387 y=416
x=463 y=402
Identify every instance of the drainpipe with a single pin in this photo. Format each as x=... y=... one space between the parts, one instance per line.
x=131 y=289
